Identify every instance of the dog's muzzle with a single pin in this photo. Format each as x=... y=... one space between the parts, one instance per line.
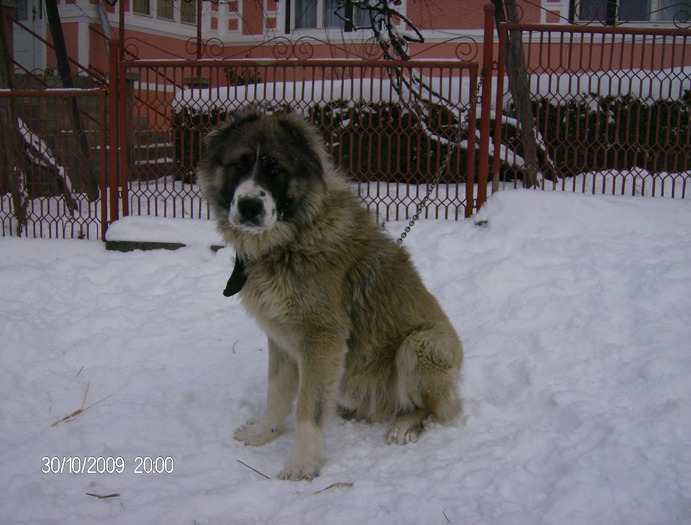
x=252 y=208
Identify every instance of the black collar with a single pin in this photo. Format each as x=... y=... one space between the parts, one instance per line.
x=237 y=278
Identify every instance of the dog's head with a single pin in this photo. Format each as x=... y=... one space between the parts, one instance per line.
x=263 y=175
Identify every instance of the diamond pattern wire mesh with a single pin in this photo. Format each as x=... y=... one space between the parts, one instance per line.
x=611 y=108
x=387 y=128
x=51 y=174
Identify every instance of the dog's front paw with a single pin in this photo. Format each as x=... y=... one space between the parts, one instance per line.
x=299 y=472
x=256 y=434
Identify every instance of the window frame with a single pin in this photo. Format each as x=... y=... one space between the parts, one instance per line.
x=191 y=9
x=612 y=12
x=139 y=3
x=159 y=10
x=290 y=15
x=165 y=3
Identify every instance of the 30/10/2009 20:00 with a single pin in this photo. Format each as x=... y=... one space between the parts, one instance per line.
x=106 y=465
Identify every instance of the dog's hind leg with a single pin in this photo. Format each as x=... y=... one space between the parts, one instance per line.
x=282 y=386
x=427 y=366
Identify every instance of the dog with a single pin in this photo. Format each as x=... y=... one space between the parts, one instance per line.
x=350 y=325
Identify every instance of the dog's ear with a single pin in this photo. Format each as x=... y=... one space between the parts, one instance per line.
x=307 y=139
x=295 y=126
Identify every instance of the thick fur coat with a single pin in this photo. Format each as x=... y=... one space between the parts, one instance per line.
x=350 y=324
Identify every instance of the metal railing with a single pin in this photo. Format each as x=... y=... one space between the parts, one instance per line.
x=606 y=108
x=386 y=124
x=50 y=184
x=581 y=108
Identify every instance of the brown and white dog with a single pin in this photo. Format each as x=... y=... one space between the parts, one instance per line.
x=350 y=324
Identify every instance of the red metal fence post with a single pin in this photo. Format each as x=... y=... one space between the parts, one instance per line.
x=486 y=79
x=470 y=169
x=498 y=109
x=113 y=136
x=103 y=160
x=124 y=133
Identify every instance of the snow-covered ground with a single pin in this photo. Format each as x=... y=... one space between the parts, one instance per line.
x=575 y=312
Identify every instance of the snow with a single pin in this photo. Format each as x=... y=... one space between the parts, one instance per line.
x=643 y=84
x=189 y=232
x=300 y=93
x=40 y=153
x=636 y=181
x=646 y=85
x=575 y=312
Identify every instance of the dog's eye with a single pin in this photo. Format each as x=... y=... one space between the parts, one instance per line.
x=278 y=171
x=242 y=163
x=275 y=168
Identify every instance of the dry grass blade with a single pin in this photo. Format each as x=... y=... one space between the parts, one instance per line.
x=74 y=414
x=70 y=417
x=253 y=469
x=104 y=496
x=335 y=486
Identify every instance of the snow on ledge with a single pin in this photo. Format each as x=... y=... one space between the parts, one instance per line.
x=164 y=230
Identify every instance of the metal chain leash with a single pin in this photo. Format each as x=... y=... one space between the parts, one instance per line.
x=447 y=161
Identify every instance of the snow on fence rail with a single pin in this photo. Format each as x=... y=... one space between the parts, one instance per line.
x=668 y=84
x=302 y=94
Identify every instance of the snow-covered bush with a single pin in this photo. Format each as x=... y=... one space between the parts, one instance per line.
x=383 y=141
x=595 y=132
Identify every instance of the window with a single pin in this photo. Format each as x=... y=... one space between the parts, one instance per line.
x=184 y=11
x=165 y=9
x=141 y=7
x=312 y=14
x=651 y=10
x=188 y=11
x=612 y=12
x=22 y=12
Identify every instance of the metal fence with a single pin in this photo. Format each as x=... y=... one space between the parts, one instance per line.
x=387 y=124
x=575 y=108
x=52 y=163
x=598 y=109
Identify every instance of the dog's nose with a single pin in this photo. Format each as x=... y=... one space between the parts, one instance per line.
x=250 y=208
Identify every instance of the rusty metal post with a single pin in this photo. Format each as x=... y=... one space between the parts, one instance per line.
x=470 y=169
x=199 y=31
x=124 y=134
x=486 y=106
x=103 y=160
x=113 y=142
x=121 y=28
x=498 y=110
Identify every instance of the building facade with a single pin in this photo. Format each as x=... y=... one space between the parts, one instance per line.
x=264 y=28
